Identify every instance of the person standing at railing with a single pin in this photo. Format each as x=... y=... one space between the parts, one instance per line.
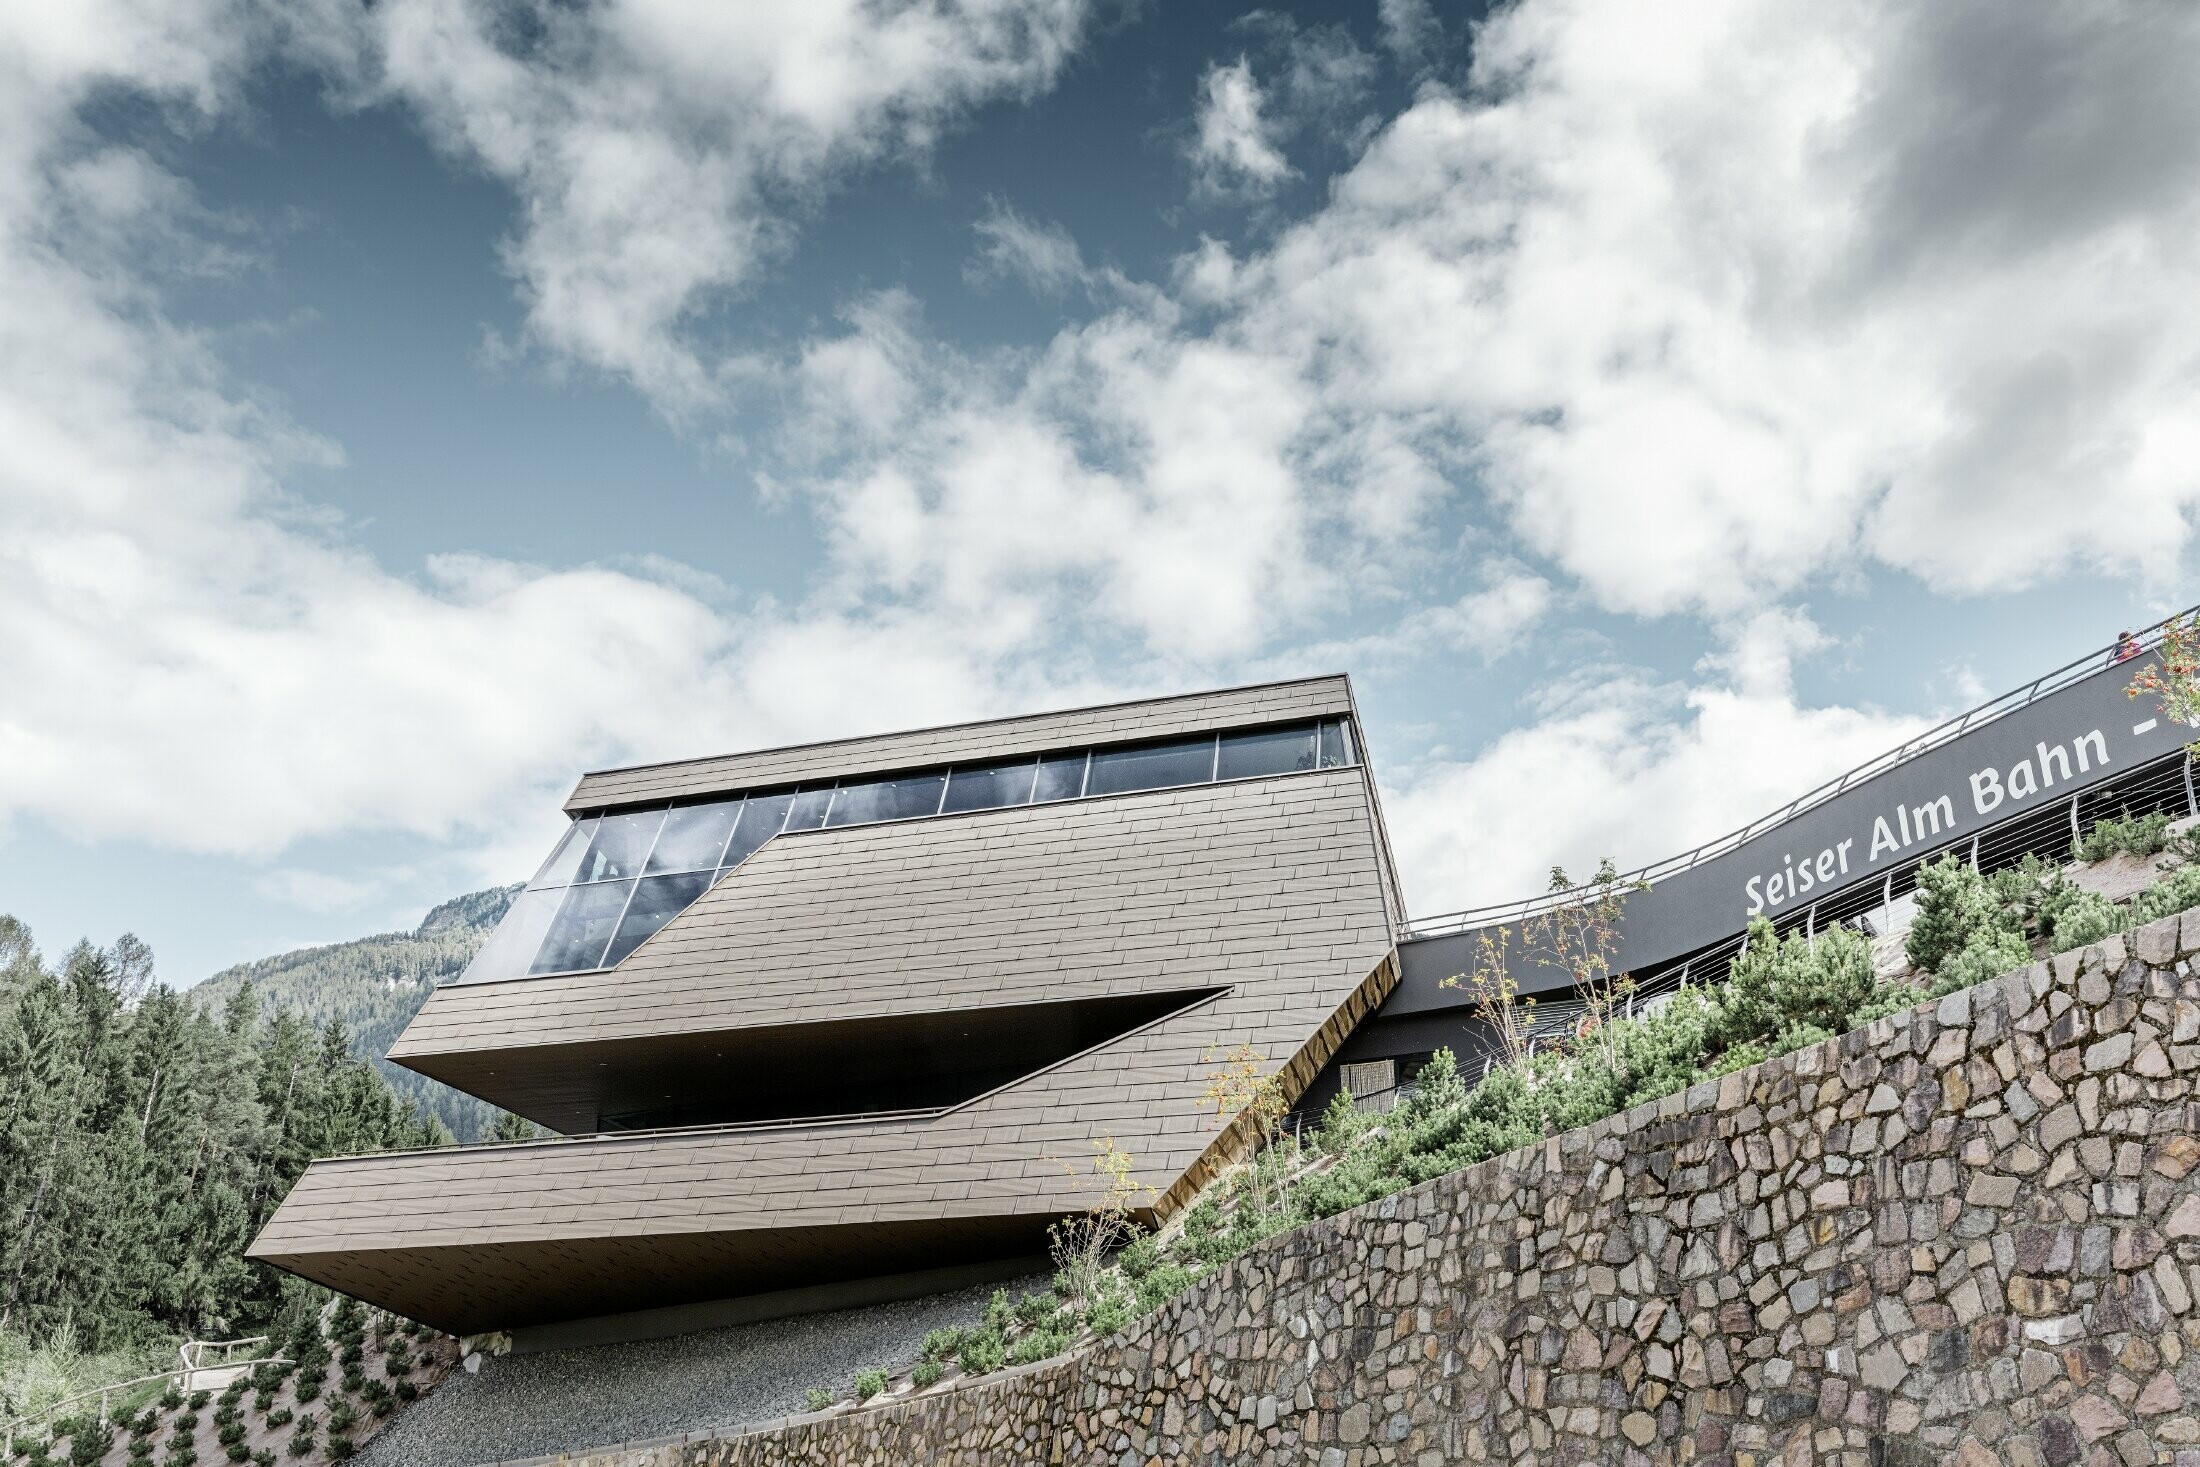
x=2127 y=647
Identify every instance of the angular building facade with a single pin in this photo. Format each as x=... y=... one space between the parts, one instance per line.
x=815 y=1023
x=834 y=1023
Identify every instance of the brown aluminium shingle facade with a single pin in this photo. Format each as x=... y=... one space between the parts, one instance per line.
x=1259 y=912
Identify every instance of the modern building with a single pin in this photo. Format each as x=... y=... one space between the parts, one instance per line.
x=847 y=1021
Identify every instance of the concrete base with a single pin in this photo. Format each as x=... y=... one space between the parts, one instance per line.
x=682 y=1319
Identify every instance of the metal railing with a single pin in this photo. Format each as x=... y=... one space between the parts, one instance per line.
x=193 y=1365
x=2050 y=682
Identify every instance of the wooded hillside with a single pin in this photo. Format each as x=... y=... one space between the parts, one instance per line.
x=145 y=1136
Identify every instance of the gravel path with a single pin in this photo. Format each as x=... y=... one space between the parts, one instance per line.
x=567 y=1400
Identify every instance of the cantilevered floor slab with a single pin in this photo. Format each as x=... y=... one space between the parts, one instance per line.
x=1272 y=891
x=1261 y=882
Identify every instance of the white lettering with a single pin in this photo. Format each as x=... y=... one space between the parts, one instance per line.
x=1986 y=790
x=1825 y=864
x=1902 y=818
x=1775 y=891
x=1844 y=849
x=2020 y=779
x=1804 y=880
x=2100 y=747
x=1942 y=812
x=2057 y=753
x=1756 y=897
x=1882 y=838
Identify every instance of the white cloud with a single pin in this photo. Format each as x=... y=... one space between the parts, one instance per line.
x=1039 y=253
x=662 y=150
x=1621 y=766
x=1233 y=150
x=1715 y=303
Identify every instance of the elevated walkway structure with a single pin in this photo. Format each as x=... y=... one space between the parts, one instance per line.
x=2022 y=774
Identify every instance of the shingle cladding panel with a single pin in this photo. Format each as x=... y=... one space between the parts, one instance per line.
x=1131 y=893
x=997 y=738
x=1274 y=887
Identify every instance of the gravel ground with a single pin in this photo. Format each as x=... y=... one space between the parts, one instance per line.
x=566 y=1400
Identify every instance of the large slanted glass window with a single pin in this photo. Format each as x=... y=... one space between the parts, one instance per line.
x=1267 y=751
x=990 y=786
x=620 y=846
x=657 y=900
x=1152 y=766
x=510 y=950
x=809 y=809
x=584 y=910
x=583 y=927
x=887 y=799
x=762 y=817
x=694 y=837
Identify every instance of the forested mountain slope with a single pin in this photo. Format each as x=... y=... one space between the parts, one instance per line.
x=373 y=986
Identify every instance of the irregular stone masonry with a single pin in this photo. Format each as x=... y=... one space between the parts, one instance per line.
x=1965 y=1234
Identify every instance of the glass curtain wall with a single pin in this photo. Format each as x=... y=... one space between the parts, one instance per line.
x=615 y=879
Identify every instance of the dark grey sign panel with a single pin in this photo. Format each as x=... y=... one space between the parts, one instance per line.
x=2028 y=759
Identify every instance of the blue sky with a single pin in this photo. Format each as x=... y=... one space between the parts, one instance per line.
x=404 y=408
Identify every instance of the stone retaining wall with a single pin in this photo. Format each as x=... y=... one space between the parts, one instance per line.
x=1969 y=1234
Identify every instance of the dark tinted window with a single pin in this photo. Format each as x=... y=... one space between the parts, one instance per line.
x=694 y=837
x=620 y=845
x=808 y=810
x=1156 y=766
x=990 y=786
x=1060 y=778
x=657 y=900
x=887 y=799
x=583 y=928
x=762 y=817
x=1266 y=751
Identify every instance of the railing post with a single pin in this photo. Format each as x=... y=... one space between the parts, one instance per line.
x=1974 y=853
x=2075 y=837
x=1886 y=904
x=2192 y=804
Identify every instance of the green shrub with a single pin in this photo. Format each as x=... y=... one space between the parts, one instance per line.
x=982 y=1352
x=1953 y=904
x=264 y=1457
x=339 y=1448
x=927 y=1373
x=405 y=1391
x=341 y=1417
x=2136 y=835
x=818 y=1399
x=1039 y=1310
x=237 y=1451
x=869 y=1383
x=1342 y=1124
x=183 y=1423
x=1141 y=1256
x=279 y=1417
x=2082 y=919
x=1000 y=1312
x=2177 y=892
x=182 y=1452
x=88 y=1443
x=1162 y=1283
x=1989 y=954
x=1112 y=1307
x=1039 y=1345
x=1778 y=983
x=171 y=1399
x=199 y=1400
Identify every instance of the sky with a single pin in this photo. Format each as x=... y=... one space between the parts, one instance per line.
x=1656 y=410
